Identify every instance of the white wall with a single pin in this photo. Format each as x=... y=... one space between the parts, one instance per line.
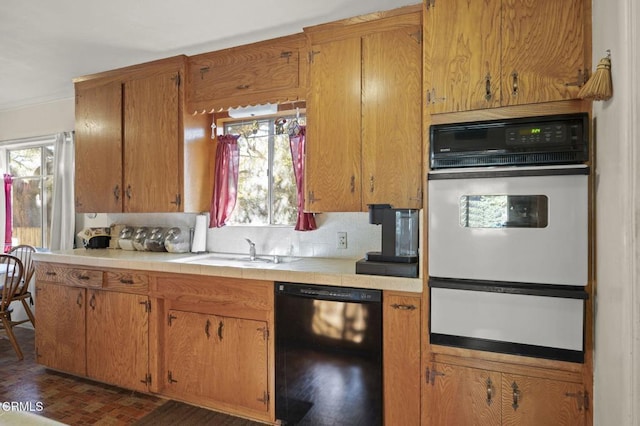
x=617 y=314
x=37 y=120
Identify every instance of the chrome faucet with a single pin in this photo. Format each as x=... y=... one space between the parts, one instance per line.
x=252 y=249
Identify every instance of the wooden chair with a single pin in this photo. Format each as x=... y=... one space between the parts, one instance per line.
x=25 y=252
x=10 y=280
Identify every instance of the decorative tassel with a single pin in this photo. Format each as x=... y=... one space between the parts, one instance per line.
x=599 y=87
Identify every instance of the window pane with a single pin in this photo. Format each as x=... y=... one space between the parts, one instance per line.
x=25 y=162
x=27 y=211
x=504 y=211
x=253 y=175
x=284 y=184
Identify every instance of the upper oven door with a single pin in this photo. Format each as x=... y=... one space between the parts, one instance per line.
x=513 y=225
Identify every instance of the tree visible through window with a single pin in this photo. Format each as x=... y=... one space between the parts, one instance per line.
x=266 y=181
x=32 y=169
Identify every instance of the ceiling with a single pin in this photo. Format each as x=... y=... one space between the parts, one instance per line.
x=44 y=44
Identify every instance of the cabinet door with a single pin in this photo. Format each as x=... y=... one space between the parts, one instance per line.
x=241 y=361
x=219 y=358
x=189 y=348
x=463 y=52
x=392 y=118
x=98 y=148
x=117 y=325
x=60 y=334
x=332 y=177
x=401 y=359
x=152 y=145
x=542 y=402
x=543 y=49
x=462 y=396
x=250 y=74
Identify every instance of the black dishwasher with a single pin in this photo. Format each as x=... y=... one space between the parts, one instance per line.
x=328 y=355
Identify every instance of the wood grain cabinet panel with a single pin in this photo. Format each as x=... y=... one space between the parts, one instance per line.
x=136 y=151
x=504 y=52
x=221 y=359
x=60 y=334
x=118 y=338
x=152 y=149
x=90 y=332
x=364 y=115
x=401 y=358
x=464 y=395
x=267 y=71
x=98 y=148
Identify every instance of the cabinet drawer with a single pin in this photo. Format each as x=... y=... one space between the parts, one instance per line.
x=50 y=273
x=127 y=281
x=62 y=274
x=84 y=277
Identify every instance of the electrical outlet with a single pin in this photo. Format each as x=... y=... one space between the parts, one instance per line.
x=342 y=240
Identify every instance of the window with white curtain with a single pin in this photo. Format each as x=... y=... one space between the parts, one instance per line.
x=31 y=164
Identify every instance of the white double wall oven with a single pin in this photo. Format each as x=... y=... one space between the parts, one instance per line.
x=509 y=235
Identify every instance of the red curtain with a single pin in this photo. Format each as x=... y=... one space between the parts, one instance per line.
x=305 y=221
x=8 y=222
x=225 y=182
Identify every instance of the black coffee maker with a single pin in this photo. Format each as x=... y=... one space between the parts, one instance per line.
x=400 y=236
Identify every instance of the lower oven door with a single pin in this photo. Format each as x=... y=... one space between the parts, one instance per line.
x=538 y=321
x=514 y=225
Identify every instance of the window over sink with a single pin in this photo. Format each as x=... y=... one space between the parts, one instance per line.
x=266 y=193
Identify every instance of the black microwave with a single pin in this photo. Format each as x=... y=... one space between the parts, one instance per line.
x=540 y=140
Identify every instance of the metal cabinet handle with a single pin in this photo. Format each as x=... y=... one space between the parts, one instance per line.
x=353 y=184
x=489 y=391
x=371 y=183
x=79 y=300
x=92 y=302
x=128 y=192
x=220 y=326
x=514 y=91
x=516 y=396
x=487 y=87
x=206 y=328
x=128 y=281
x=50 y=273
x=84 y=277
x=242 y=86
x=116 y=192
x=403 y=307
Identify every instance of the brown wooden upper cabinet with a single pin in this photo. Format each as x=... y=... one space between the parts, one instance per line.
x=504 y=52
x=264 y=72
x=131 y=146
x=364 y=116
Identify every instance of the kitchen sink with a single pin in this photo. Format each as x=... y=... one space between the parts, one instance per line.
x=238 y=260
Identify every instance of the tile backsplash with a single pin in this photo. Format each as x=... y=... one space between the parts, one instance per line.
x=280 y=240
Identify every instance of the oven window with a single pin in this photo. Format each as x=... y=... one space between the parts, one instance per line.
x=504 y=211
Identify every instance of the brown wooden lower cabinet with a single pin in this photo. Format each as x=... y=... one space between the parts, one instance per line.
x=457 y=395
x=401 y=358
x=118 y=325
x=219 y=358
x=60 y=334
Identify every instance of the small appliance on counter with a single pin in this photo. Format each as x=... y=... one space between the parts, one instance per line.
x=400 y=235
x=95 y=237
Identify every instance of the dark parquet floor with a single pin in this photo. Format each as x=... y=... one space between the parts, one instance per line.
x=72 y=400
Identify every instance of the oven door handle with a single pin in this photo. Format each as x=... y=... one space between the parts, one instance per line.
x=528 y=289
x=510 y=172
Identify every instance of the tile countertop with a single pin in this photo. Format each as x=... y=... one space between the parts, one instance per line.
x=310 y=270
